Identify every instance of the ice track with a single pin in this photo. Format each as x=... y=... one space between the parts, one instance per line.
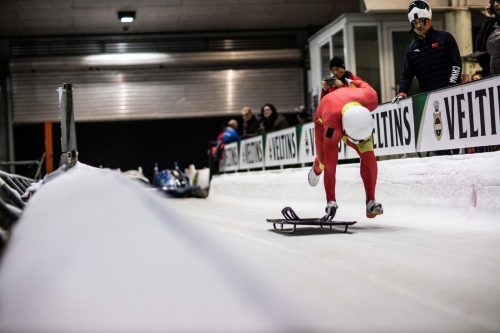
x=392 y=274
x=107 y=255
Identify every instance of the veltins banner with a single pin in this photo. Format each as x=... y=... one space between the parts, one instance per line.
x=252 y=153
x=231 y=156
x=281 y=148
x=307 y=148
x=394 y=128
x=465 y=116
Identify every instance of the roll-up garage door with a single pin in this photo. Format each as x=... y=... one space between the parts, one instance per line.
x=205 y=84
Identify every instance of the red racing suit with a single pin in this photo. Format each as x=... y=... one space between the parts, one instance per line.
x=329 y=132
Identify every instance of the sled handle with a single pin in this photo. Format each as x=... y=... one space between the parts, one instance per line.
x=289 y=214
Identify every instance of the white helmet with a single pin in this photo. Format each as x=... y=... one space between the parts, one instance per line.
x=357 y=122
x=419 y=9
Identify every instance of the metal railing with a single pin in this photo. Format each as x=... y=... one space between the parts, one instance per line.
x=12 y=201
x=15 y=190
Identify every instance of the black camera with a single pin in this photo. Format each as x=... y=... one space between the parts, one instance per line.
x=330 y=82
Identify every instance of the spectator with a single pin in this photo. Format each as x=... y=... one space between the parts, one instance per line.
x=476 y=76
x=488 y=41
x=345 y=114
x=302 y=116
x=250 y=123
x=271 y=120
x=339 y=77
x=228 y=134
x=488 y=38
x=433 y=57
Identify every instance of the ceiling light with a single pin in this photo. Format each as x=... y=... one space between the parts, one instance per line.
x=126 y=17
x=114 y=59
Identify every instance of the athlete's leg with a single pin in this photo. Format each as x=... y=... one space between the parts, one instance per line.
x=318 y=140
x=368 y=166
x=331 y=148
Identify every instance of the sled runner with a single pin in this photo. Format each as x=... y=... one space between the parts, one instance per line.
x=291 y=218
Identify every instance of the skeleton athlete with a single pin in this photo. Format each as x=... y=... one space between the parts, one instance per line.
x=345 y=114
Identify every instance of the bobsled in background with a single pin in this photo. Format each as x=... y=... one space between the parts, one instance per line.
x=137 y=175
x=176 y=183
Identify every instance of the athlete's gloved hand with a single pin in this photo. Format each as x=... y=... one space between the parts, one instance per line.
x=399 y=97
x=330 y=210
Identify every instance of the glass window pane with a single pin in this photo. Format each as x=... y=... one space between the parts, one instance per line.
x=325 y=60
x=367 y=59
x=338 y=44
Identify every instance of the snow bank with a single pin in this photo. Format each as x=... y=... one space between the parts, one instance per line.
x=94 y=251
x=461 y=181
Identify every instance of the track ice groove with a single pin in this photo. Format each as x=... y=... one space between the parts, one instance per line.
x=416 y=297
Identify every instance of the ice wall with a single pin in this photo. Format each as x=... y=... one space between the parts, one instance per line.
x=457 y=182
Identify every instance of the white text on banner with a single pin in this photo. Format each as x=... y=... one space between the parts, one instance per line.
x=252 y=153
x=281 y=148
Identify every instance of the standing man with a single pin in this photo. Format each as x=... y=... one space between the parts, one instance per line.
x=487 y=39
x=345 y=114
x=433 y=57
x=250 y=123
x=339 y=77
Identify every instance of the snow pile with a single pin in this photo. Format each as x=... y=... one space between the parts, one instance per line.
x=456 y=182
x=94 y=251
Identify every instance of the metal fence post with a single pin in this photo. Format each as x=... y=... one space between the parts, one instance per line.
x=69 y=152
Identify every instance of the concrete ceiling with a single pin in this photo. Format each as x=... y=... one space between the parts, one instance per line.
x=83 y=17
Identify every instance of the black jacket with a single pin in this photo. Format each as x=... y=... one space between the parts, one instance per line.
x=481 y=43
x=435 y=61
x=485 y=31
x=251 y=128
x=274 y=123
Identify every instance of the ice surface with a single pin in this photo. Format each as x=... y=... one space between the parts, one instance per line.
x=95 y=251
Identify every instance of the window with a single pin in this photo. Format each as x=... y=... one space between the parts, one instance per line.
x=338 y=45
x=367 y=56
x=325 y=60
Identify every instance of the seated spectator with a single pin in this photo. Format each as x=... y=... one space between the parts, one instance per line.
x=339 y=77
x=250 y=123
x=271 y=120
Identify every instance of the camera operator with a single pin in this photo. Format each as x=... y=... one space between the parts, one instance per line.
x=488 y=39
x=339 y=77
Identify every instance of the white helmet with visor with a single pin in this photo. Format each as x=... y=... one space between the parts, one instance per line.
x=419 y=9
x=357 y=122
